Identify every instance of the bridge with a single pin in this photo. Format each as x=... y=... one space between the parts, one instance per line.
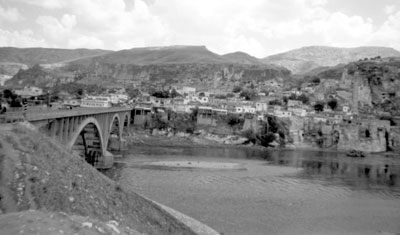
x=91 y=132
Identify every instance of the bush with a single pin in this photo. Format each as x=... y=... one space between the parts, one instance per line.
x=249 y=134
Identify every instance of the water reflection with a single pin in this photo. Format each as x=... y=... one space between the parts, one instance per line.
x=371 y=173
x=374 y=172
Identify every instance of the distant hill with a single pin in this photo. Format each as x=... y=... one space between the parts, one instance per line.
x=155 y=66
x=241 y=58
x=163 y=55
x=308 y=58
x=31 y=56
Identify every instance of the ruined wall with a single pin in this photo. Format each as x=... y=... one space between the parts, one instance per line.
x=368 y=136
x=353 y=137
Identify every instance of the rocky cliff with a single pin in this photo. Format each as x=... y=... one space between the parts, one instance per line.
x=371 y=85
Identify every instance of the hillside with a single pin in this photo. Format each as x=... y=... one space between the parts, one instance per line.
x=32 y=56
x=40 y=178
x=178 y=65
x=307 y=58
x=241 y=58
x=368 y=85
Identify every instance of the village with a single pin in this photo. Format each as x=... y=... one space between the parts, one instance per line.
x=326 y=121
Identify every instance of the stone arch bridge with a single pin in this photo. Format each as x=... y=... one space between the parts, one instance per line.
x=92 y=133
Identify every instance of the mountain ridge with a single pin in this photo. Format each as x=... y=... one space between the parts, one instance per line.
x=305 y=59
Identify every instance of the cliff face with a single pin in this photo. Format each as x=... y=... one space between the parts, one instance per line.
x=218 y=76
x=368 y=85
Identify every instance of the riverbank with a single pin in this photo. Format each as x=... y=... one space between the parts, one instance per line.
x=142 y=137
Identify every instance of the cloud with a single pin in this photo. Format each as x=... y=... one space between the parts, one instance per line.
x=389 y=32
x=257 y=27
x=390 y=9
x=85 y=42
x=47 y=4
x=23 y=38
x=10 y=14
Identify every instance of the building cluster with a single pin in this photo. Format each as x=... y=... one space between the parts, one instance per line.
x=209 y=106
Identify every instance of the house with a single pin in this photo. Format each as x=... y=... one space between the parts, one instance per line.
x=189 y=91
x=261 y=107
x=346 y=108
x=140 y=115
x=297 y=111
x=239 y=109
x=249 y=109
x=118 y=98
x=29 y=91
x=245 y=109
x=294 y=103
x=205 y=116
x=282 y=113
x=203 y=99
x=72 y=103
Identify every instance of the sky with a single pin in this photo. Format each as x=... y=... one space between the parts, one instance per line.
x=257 y=27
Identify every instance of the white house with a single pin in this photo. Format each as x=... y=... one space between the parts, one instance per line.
x=202 y=100
x=249 y=109
x=239 y=109
x=118 y=98
x=261 y=107
x=29 y=91
x=346 y=108
x=282 y=113
x=189 y=90
x=298 y=111
x=294 y=103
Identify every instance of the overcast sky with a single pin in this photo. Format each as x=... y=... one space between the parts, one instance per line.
x=258 y=27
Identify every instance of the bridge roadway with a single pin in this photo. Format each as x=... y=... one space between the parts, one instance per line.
x=91 y=132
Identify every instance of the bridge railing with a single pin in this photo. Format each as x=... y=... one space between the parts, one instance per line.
x=41 y=114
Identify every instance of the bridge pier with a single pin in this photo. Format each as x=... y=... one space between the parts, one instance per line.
x=117 y=144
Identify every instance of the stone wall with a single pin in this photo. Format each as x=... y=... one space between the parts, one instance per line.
x=365 y=135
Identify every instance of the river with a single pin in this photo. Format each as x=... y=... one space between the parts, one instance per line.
x=273 y=192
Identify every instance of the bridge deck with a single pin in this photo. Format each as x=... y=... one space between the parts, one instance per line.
x=59 y=113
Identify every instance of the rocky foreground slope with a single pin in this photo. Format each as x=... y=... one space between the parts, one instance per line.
x=46 y=189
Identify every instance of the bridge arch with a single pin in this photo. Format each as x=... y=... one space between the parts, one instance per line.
x=125 y=124
x=88 y=141
x=115 y=126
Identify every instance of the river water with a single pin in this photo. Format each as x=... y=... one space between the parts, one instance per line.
x=275 y=192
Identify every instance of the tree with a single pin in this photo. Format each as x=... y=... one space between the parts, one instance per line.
x=316 y=80
x=303 y=98
x=230 y=95
x=7 y=94
x=332 y=103
x=174 y=93
x=133 y=92
x=248 y=94
x=275 y=102
x=237 y=89
x=319 y=106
